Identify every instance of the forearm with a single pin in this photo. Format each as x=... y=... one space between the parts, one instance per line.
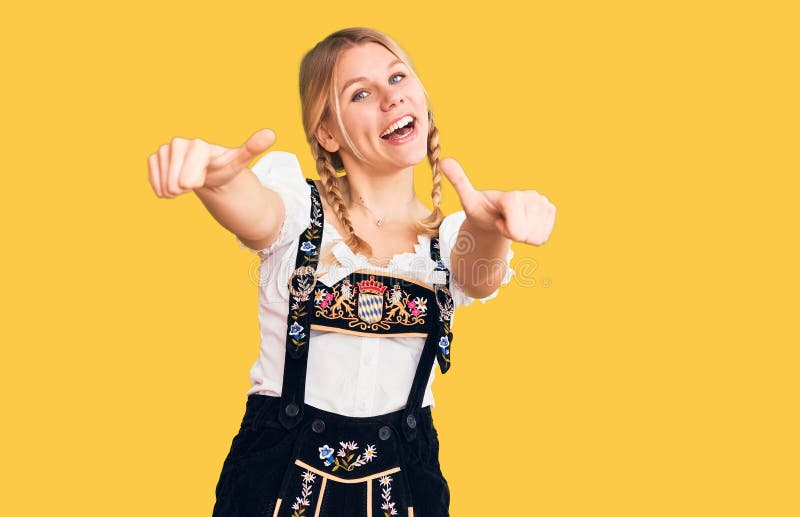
x=244 y=207
x=478 y=260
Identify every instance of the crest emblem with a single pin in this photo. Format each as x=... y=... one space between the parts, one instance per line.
x=370 y=300
x=302 y=282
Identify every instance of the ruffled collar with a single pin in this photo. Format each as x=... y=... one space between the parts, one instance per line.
x=416 y=264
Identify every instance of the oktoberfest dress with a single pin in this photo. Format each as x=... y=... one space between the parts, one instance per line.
x=294 y=459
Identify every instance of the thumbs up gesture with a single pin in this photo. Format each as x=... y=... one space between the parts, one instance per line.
x=520 y=215
x=184 y=165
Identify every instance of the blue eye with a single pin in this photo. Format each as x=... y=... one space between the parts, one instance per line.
x=358 y=96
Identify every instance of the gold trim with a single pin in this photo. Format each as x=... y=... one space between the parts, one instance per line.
x=368 y=334
x=369 y=499
x=319 y=497
x=277 y=508
x=378 y=272
x=342 y=480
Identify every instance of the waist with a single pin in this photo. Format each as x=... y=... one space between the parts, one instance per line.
x=268 y=406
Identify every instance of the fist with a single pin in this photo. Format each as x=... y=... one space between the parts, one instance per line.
x=520 y=215
x=184 y=165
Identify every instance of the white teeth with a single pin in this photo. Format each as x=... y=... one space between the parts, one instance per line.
x=400 y=123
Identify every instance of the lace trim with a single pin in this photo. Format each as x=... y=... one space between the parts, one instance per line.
x=420 y=265
x=407 y=261
x=420 y=249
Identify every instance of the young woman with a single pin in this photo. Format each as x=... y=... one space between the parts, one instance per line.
x=358 y=285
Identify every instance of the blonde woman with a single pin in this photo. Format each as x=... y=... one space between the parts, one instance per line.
x=358 y=285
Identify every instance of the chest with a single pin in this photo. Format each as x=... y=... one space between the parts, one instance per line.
x=365 y=302
x=389 y=239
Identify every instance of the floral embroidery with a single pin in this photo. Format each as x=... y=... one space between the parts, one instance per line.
x=303 y=278
x=444 y=344
x=445 y=302
x=303 y=502
x=370 y=305
x=344 y=457
x=446 y=309
x=386 y=494
x=302 y=282
x=323 y=298
x=444 y=347
x=296 y=329
x=418 y=306
x=325 y=453
x=316 y=208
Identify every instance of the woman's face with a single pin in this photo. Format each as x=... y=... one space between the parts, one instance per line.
x=376 y=91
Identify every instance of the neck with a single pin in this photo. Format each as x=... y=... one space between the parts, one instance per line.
x=387 y=194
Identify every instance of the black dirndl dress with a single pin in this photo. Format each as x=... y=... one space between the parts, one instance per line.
x=291 y=459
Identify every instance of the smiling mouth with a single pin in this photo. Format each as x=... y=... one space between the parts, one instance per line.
x=401 y=131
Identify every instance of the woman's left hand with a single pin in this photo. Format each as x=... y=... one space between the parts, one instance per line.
x=520 y=215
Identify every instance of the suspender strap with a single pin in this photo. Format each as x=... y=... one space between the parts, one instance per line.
x=437 y=344
x=298 y=324
x=444 y=303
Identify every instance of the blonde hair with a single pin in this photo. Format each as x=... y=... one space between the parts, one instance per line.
x=319 y=100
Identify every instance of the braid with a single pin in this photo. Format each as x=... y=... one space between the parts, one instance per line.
x=430 y=225
x=327 y=175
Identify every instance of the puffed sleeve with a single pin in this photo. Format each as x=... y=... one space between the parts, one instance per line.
x=448 y=233
x=280 y=172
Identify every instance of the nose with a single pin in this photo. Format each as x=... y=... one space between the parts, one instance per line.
x=391 y=99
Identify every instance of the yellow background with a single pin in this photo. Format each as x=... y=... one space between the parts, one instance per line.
x=649 y=370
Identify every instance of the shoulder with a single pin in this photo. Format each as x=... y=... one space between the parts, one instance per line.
x=280 y=172
x=448 y=229
x=279 y=167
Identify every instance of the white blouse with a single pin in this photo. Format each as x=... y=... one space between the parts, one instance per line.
x=347 y=374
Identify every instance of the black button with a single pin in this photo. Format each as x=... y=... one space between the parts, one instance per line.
x=318 y=426
x=411 y=421
x=292 y=409
x=384 y=433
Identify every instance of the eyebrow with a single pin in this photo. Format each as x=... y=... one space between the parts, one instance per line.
x=357 y=79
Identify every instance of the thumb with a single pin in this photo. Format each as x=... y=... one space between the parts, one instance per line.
x=456 y=175
x=238 y=157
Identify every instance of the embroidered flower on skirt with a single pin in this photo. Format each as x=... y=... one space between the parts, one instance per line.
x=303 y=501
x=344 y=458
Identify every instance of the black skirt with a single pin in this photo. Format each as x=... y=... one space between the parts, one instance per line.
x=261 y=459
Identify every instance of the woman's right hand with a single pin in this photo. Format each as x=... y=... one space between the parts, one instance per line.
x=185 y=165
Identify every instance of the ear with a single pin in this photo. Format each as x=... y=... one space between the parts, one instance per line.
x=326 y=139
